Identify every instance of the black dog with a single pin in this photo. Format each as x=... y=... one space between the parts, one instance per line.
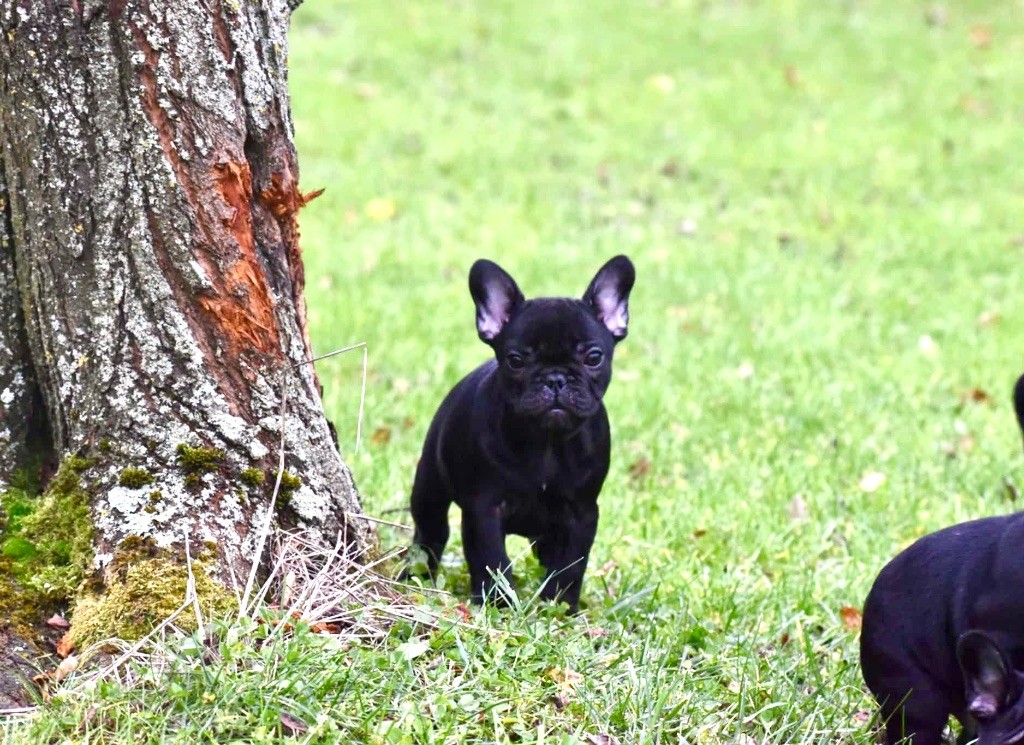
x=943 y=632
x=521 y=444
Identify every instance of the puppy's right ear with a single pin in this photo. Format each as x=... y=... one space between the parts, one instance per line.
x=496 y=295
x=989 y=678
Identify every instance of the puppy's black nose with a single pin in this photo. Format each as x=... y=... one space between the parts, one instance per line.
x=555 y=381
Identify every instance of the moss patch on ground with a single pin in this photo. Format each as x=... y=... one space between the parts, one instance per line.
x=45 y=543
x=144 y=585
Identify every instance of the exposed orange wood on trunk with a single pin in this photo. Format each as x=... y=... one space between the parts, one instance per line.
x=284 y=200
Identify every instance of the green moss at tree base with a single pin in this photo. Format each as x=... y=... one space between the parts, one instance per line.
x=144 y=586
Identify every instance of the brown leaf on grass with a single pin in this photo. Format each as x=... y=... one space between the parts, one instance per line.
x=67 y=666
x=975 y=106
x=871 y=481
x=58 y=621
x=700 y=533
x=670 y=169
x=596 y=632
x=640 y=468
x=381 y=436
x=292 y=725
x=561 y=701
x=784 y=639
x=981 y=36
x=564 y=676
x=851 y=617
x=862 y=716
x=65 y=646
x=602 y=740
x=463 y=612
x=975 y=396
x=798 y=512
x=989 y=318
x=380 y=209
x=605 y=569
x=792 y=75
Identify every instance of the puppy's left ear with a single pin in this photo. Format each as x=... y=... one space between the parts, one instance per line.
x=989 y=678
x=608 y=295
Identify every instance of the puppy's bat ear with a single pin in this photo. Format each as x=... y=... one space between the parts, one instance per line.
x=989 y=679
x=496 y=295
x=608 y=295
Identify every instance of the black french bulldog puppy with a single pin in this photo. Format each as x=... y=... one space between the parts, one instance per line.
x=521 y=444
x=943 y=632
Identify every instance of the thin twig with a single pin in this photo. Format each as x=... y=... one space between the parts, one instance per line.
x=354 y=516
x=243 y=609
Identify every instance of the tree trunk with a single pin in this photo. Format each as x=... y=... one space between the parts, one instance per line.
x=151 y=284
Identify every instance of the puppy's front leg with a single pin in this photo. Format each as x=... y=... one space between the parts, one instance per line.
x=483 y=541
x=564 y=553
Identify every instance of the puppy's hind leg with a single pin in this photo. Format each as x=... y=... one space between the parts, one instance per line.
x=429 y=505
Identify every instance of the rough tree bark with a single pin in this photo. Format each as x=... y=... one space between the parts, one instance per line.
x=151 y=284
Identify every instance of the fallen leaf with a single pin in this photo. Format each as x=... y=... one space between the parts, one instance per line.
x=605 y=569
x=292 y=725
x=640 y=468
x=670 y=169
x=792 y=75
x=58 y=621
x=381 y=209
x=67 y=666
x=700 y=533
x=412 y=650
x=564 y=676
x=981 y=36
x=975 y=106
x=602 y=740
x=381 y=436
x=936 y=16
x=784 y=639
x=561 y=701
x=367 y=90
x=687 y=226
x=862 y=717
x=596 y=632
x=871 y=481
x=663 y=83
x=976 y=396
x=745 y=371
x=797 y=509
x=463 y=612
x=989 y=318
x=851 y=617
x=65 y=646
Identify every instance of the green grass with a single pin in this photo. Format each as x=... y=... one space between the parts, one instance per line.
x=827 y=194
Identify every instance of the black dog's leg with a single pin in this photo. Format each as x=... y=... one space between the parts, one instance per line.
x=923 y=717
x=564 y=553
x=483 y=541
x=429 y=504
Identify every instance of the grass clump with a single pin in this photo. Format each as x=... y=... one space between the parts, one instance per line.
x=135 y=478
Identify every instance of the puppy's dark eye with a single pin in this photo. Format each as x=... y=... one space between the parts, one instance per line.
x=515 y=361
x=594 y=358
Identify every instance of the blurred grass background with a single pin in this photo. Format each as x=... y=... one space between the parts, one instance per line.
x=824 y=204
